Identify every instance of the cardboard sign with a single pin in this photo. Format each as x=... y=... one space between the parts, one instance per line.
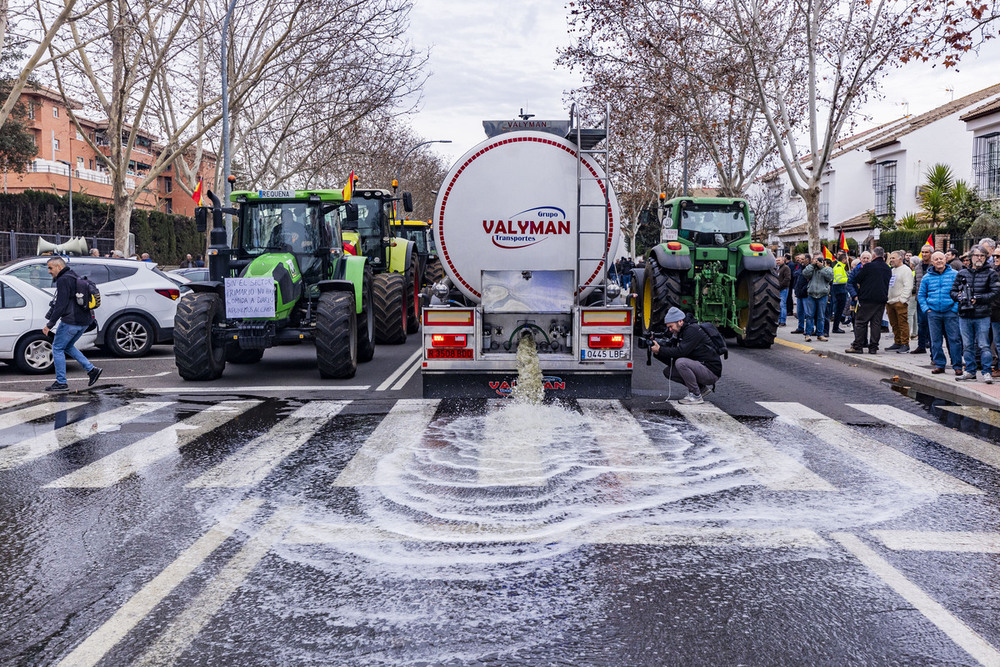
x=249 y=297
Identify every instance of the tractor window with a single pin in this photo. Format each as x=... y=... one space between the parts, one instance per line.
x=288 y=226
x=712 y=224
x=419 y=237
x=369 y=226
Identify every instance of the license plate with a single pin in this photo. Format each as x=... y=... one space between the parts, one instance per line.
x=459 y=353
x=588 y=355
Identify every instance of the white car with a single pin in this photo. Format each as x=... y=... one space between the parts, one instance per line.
x=22 y=317
x=138 y=301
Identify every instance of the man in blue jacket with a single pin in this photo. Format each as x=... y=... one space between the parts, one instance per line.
x=934 y=299
x=75 y=320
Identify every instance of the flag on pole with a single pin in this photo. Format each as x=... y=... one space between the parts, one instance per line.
x=843 y=242
x=827 y=254
x=930 y=240
x=196 y=195
x=349 y=188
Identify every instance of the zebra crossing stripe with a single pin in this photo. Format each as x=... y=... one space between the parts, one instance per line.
x=924 y=540
x=401 y=429
x=775 y=469
x=621 y=438
x=960 y=442
x=120 y=464
x=252 y=463
x=25 y=415
x=509 y=452
x=967 y=638
x=9 y=399
x=888 y=461
x=44 y=444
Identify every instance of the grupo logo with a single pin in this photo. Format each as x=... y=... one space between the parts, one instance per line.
x=527 y=228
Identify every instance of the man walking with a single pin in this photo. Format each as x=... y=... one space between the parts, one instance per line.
x=975 y=289
x=941 y=312
x=819 y=278
x=923 y=330
x=784 y=281
x=872 y=285
x=900 y=286
x=690 y=356
x=75 y=320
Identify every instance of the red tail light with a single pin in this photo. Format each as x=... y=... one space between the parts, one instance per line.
x=674 y=245
x=448 y=340
x=757 y=247
x=169 y=293
x=606 y=340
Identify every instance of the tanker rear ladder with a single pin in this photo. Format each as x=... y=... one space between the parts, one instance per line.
x=586 y=140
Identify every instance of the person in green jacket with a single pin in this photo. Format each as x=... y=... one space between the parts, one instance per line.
x=820 y=277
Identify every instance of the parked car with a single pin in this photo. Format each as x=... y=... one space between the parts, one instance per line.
x=138 y=300
x=22 y=317
x=192 y=274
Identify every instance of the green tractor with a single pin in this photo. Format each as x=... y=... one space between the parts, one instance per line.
x=420 y=233
x=707 y=266
x=287 y=280
x=394 y=261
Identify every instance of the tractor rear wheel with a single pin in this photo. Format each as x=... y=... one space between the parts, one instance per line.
x=390 y=308
x=412 y=298
x=434 y=273
x=366 y=320
x=759 y=319
x=636 y=289
x=237 y=355
x=196 y=353
x=661 y=289
x=336 y=335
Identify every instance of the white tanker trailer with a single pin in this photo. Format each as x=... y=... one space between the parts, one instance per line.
x=525 y=224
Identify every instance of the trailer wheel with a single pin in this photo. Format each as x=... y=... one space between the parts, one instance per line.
x=196 y=353
x=336 y=335
x=636 y=289
x=412 y=298
x=434 y=273
x=759 y=318
x=661 y=289
x=237 y=355
x=390 y=308
x=366 y=320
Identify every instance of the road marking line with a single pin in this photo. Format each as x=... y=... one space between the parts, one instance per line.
x=94 y=648
x=797 y=346
x=414 y=358
x=958 y=541
x=36 y=412
x=9 y=399
x=955 y=440
x=402 y=429
x=250 y=390
x=28 y=450
x=888 y=461
x=775 y=469
x=622 y=440
x=255 y=461
x=347 y=533
x=406 y=378
x=979 y=413
x=120 y=464
x=509 y=453
x=959 y=632
x=104 y=378
x=183 y=630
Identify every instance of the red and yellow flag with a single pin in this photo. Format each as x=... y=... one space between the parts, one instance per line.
x=827 y=254
x=349 y=188
x=196 y=195
x=843 y=242
x=930 y=239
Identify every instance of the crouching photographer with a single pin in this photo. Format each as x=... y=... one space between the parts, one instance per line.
x=691 y=356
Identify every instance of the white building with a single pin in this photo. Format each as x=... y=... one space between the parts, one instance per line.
x=984 y=123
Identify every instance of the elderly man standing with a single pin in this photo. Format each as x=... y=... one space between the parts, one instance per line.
x=975 y=289
x=923 y=330
x=872 y=285
x=900 y=286
x=941 y=311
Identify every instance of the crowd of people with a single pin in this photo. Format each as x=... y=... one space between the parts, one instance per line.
x=941 y=300
x=189 y=261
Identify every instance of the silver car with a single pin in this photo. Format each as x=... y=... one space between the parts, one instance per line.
x=138 y=301
x=22 y=317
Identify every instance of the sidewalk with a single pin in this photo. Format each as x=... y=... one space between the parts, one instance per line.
x=911 y=369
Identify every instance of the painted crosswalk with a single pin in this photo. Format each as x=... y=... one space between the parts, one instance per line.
x=25 y=415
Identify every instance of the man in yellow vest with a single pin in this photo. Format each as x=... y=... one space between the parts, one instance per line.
x=838 y=293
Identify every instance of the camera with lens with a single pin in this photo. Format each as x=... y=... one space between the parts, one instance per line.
x=965 y=297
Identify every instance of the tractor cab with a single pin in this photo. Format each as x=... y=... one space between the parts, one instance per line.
x=712 y=224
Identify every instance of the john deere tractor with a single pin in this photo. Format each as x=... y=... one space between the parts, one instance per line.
x=393 y=260
x=419 y=232
x=707 y=266
x=287 y=279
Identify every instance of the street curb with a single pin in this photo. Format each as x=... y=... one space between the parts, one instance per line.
x=909 y=377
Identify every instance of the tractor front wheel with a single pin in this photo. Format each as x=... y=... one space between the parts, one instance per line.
x=661 y=289
x=390 y=308
x=336 y=335
x=759 y=318
x=197 y=355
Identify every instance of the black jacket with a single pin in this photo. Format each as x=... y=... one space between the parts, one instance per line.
x=985 y=287
x=65 y=307
x=691 y=342
x=872 y=281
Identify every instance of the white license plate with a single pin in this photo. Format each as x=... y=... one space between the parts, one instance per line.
x=587 y=355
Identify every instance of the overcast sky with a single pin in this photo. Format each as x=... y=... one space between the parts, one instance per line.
x=490 y=59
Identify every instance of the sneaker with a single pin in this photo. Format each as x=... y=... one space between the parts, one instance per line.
x=822 y=339
x=853 y=350
x=691 y=399
x=796 y=331
x=919 y=350
x=987 y=378
x=808 y=339
x=57 y=386
x=94 y=374
x=894 y=346
x=903 y=349
x=970 y=377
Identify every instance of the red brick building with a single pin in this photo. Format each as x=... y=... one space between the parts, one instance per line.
x=61 y=147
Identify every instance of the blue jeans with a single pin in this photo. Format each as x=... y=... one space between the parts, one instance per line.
x=815 y=315
x=837 y=303
x=783 y=313
x=800 y=312
x=976 y=334
x=945 y=323
x=63 y=344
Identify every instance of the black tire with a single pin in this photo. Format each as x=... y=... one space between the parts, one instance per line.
x=237 y=355
x=336 y=335
x=636 y=288
x=390 y=308
x=434 y=273
x=760 y=318
x=33 y=354
x=366 y=321
x=412 y=298
x=130 y=335
x=661 y=289
x=196 y=353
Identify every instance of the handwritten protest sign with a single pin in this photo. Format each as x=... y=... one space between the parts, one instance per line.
x=249 y=297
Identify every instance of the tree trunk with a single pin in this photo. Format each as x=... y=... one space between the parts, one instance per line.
x=123 y=216
x=811 y=199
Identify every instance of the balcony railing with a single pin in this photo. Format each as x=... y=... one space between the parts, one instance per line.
x=45 y=167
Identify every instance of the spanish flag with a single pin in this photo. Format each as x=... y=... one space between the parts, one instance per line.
x=349 y=188
x=843 y=242
x=827 y=254
x=930 y=239
x=196 y=195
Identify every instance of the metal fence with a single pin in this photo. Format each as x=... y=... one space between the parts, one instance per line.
x=14 y=245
